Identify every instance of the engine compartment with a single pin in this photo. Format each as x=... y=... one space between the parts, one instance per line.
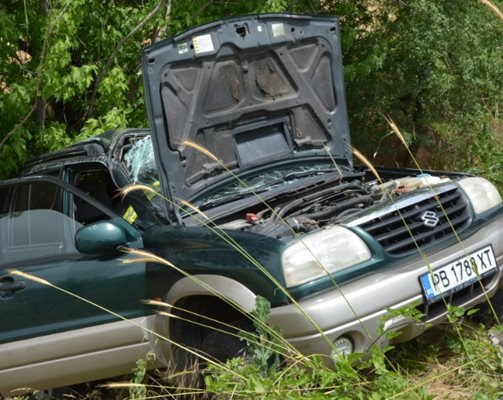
x=309 y=209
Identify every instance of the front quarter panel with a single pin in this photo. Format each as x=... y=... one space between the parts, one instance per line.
x=251 y=259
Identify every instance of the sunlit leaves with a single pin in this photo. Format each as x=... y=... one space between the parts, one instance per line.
x=435 y=67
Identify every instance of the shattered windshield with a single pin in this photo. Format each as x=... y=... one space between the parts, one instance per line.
x=270 y=179
x=140 y=162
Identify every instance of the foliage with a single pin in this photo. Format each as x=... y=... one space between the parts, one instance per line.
x=138 y=391
x=435 y=67
x=264 y=352
x=71 y=68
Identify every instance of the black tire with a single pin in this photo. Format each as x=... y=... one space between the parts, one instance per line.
x=213 y=340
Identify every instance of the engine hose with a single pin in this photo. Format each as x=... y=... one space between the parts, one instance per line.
x=344 y=205
x=297 y=202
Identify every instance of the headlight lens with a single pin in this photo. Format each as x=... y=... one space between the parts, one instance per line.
x=482 y=194
x=322 y=252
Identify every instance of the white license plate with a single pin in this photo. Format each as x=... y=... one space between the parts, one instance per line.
x=458 y=274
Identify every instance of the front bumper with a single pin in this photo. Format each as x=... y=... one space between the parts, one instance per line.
x=357 y=309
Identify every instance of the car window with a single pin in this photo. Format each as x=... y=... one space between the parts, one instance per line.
x=37 y=225
x=3 y=200
x=37 y=196
x=97 y=184
x=138 y=159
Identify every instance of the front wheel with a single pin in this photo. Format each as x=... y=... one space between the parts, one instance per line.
x=208 y=327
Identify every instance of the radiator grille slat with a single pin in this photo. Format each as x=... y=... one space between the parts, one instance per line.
x=394 y=230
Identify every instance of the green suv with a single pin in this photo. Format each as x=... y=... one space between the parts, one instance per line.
x=249 y=189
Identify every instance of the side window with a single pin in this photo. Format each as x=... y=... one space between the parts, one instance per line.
x=37 y=223
x=97 y=184
x=3 y=200
x=35 y=205
x=38 y=196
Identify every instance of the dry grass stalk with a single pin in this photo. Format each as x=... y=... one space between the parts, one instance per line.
x=193 y=208
x=397 y=132
x=201 y=149
x=493 y=7
x=367 y=163
x=332 y=158
x=131 y=188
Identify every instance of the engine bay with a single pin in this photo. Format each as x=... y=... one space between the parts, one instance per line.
x=309 y=209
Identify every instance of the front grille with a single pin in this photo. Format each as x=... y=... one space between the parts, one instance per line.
x=459 y=298
x=401 y=232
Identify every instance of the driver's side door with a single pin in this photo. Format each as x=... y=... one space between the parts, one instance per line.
x=63 y=288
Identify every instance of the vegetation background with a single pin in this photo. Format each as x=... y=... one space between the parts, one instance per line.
x=70 y=69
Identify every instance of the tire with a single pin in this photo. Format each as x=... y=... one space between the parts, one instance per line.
x=197 y=329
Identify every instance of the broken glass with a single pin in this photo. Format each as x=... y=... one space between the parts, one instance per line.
x=268 y=180
x=140 y=162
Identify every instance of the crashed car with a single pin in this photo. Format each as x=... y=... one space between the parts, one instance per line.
x=249 y=152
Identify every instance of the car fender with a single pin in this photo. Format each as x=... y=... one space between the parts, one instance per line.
x=196 y=285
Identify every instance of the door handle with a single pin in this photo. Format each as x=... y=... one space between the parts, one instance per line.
x=12 y=286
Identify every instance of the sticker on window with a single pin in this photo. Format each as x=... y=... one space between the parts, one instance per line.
x=203 y=44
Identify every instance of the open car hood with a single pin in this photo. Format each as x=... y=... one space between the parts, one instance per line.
x=254 y=91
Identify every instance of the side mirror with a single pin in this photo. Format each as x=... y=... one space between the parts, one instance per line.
x=101 y=237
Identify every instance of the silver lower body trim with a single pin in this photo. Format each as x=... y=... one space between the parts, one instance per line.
x=72 y=357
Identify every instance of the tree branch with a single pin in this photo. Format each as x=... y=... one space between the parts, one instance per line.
x=118 y=48
x=38 y=74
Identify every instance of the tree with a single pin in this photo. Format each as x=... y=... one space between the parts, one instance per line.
x=71 y=69
x=436 y=68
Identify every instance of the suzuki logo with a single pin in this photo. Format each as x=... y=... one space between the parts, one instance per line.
x=430 y=219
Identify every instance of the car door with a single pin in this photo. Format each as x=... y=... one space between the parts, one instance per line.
x=38 y=223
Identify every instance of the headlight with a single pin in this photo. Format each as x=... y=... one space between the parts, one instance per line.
x=482 y=194
x=322 y=253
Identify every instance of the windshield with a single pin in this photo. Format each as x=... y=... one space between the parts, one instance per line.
x=270 y=179
x=138 y=159
x=140 y=162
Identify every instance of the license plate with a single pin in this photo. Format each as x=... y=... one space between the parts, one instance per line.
x=458 y=274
